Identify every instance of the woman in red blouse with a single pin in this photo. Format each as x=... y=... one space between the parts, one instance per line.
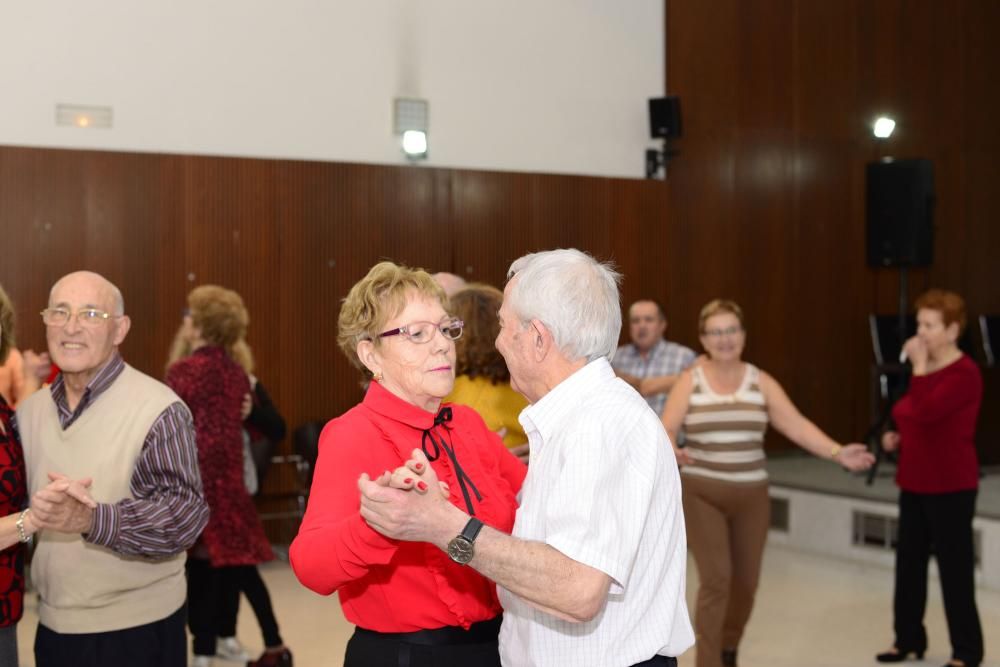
x=213 y=385
x=938 y=478
x=411 y=603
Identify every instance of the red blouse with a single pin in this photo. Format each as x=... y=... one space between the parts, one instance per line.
x=13 y=492
x=387 y=585
x=936 y=420
x=213 y=386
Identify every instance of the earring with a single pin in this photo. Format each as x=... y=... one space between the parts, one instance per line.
x=377 y=376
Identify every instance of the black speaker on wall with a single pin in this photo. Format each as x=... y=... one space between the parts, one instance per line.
x=665 y=117
x=900 y=206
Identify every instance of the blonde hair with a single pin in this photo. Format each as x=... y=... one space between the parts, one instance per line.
x=219 y=314
x=377 y=298
x=717 y=307
x=181 y=348
x=7 y=324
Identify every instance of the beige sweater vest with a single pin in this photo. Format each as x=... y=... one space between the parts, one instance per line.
x=82 y=587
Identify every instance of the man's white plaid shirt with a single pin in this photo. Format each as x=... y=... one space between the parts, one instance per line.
x=665 y=358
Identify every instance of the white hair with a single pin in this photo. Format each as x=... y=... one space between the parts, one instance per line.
x=574 y=295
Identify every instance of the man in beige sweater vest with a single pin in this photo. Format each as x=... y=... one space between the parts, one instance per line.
x=116 y=494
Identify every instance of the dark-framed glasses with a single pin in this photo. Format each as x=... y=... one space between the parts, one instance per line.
x=423 y=332
x=88 y=317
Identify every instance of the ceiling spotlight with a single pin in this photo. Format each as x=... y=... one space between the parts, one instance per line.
x=884 y=127
x=410 y=124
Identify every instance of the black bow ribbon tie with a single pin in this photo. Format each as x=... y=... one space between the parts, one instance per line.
x=442 y=417
x=437 y=444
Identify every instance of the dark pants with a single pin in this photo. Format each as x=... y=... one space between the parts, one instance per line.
x=657 y=661
x=428 y=648
x=246 y=579
x=158 y=644
x=207 y=588
x=941 y=523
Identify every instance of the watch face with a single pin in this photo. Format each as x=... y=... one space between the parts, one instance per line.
x=460 y=550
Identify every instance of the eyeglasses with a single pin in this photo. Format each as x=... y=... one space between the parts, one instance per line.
x=422 y=332
x=60 y=317
x=719 y=333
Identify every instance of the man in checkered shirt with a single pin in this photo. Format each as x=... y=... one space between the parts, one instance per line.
x=649 y=363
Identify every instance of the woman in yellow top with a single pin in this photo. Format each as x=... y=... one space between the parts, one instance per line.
x=482 y=380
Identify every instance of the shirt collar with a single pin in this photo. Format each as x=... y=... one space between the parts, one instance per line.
x=547 y=415
x=97 y=386
x=380 y=400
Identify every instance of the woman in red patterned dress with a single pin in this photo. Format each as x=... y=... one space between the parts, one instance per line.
x=13 y=496
x=213 y=386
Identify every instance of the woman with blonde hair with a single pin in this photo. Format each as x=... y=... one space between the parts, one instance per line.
x=411 y=603
x=725 y=405
x=213 y=386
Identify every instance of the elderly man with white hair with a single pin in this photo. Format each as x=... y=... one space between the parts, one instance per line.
x=594 y=571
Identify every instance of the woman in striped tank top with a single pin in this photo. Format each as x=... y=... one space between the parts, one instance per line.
x=725 y=405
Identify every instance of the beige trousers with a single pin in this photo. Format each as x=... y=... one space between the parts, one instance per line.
x=727 y=526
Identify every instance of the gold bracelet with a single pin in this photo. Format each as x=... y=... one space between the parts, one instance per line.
x=24 y=537
x=835 y=451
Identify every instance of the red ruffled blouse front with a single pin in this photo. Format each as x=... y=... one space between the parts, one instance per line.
x=384 y=584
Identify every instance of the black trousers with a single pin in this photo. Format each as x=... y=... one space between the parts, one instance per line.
x=159 y=644
x=207 y=588
x=246 y=579
x=942 y=524
x=426 y=649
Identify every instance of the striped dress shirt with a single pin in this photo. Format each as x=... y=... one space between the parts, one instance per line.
x=166 y=512
x=725 y=432
x=602 y=489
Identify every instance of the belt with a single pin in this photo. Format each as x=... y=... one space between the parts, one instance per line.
x=478 y=633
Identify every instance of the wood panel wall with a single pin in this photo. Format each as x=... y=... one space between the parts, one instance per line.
x=291 y=237
x=765 y=204
x=767 y=197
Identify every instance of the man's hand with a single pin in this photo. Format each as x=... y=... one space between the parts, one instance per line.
x=36 y=365
x=403 y=515
x=65 y=505
x=634 y=381
x=890 y=441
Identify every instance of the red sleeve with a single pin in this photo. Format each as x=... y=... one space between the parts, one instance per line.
x=335 y=545
x=511 y=468
x=938 y=396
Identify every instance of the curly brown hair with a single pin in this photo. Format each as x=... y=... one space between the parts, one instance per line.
x=377 y=298
x=7 y=324
x=219 y=313
x=477 y=305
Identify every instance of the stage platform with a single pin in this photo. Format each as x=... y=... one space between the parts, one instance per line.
x=819 y=508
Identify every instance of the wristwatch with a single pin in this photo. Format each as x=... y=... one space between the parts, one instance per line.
x=461 y=549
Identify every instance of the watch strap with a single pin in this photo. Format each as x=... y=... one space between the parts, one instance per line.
x=471 y=530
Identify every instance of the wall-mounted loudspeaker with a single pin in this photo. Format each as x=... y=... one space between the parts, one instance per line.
x=665 y=117
x=899 y=206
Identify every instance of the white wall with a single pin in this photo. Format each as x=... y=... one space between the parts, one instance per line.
x=543 y=85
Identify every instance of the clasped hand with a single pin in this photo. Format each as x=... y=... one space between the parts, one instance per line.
x=398 y=504
x=65 y=505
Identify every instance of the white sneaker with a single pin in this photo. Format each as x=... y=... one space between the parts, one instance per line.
x=230 y=648
x=201 y=661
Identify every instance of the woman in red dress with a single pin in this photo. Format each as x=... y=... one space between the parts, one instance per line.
x=213 y=385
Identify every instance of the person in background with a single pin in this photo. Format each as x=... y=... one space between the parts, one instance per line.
x=649 y=363
x=213 y=385
x=725 y=405
x=482 y=380
x=938 y=479
x=449 y=282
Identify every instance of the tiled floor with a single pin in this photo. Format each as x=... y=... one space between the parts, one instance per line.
x=810 y=612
